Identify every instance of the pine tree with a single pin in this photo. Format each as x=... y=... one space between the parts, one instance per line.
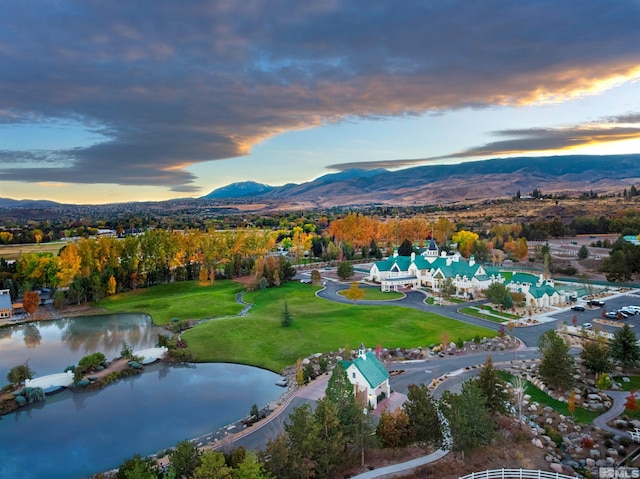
x=423 y=415
x=492 y=388
x=557 y=365
x=287 y=319
x=624 y=347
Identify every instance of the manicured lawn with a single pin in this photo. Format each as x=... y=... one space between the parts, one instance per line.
x=318 y=326
x=580 y=415
x=495 y=311
x=478 y=314
x=374 y=294
x=184 y=300
x=634 y=383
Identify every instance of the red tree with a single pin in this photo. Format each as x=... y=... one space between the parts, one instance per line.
x=631 y=402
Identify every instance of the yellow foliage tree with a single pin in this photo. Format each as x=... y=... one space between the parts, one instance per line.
x=354 y=293
x=70 y=262
x=465 y=240
x=111 y=286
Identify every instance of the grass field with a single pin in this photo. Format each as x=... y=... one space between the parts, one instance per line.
x=479 y=314
x=633 y=384
x=374 y=294
x=318 y=326
x=185 y=300
x=14 y=251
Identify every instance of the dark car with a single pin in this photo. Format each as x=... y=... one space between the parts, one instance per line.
x=577 y=307
x=595 y=302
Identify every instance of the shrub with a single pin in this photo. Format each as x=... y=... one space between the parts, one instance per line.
x=554 y=434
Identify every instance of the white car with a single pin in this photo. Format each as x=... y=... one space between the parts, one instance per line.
x=587 y=326
x=631 y=309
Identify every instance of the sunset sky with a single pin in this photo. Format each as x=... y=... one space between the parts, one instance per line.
x=113 y=101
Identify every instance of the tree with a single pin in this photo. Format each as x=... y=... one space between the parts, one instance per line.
x=492 y=388
x=616 y=267
x=596 y=356
x=466 y=240
x=394 y=429
x=185 y=458
x=30 y=302
x=345 y=270
x=354 y=293
x=496 y=292
x=331 y=442
x=624 y=347
x=316 y=277
x=631 y=402
x=250 y=468
x=583 y=252
x=19 y=374
x=422 y=411
x=447 y=288
x=137 y=467
x=212 y=466
x=302 y=431
x=557 y=365
x=406 y=248
x=287 y=319
x=111 y=286
x=470 y=423
x=442 y=230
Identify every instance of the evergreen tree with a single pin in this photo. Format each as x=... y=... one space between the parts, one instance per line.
x=406 y=248
x=492 y=388
x=624 y=347
x=557 y=366
x=345 y=270
x=423 y=415
x=583 y=252
x=469 y=420
x=287 y=319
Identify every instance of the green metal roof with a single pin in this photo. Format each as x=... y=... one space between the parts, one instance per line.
x=372 y=370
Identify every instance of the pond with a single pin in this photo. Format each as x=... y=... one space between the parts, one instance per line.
x=76 y=434
x=51 y=346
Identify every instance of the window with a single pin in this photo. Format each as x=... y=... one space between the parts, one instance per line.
x=354 y=375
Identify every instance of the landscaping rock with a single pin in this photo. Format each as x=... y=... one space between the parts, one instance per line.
x=537 y=443
x=612 y=452
x=594 y=453
x=590 y=462
x=555 y=467
x=621 y=423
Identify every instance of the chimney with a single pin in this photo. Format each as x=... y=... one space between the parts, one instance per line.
x=472 y=260
x=413 y=256
x=395 y=253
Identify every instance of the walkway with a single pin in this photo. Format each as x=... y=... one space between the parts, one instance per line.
x=617 y=408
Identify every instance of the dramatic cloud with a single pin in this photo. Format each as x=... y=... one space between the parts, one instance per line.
x=171 y=84
x=532 y=140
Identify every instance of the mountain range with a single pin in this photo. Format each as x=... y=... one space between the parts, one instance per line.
x=422 y=185
x=476 y=180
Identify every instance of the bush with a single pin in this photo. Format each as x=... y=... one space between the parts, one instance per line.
x=554 y=434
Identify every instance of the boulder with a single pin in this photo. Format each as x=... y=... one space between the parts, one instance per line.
x=595 y=453
x=555 y=467
x=590 y=462
x=537 y=443
x=612 y=452
x=621 y=423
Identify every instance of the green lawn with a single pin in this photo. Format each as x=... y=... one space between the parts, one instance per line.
x=478 y=314
x=318 y=326
x=580 y=415
x=184 y=300
x=374 y=294
x=634 y=383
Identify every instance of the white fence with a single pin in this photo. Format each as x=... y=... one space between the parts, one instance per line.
x=515 y=474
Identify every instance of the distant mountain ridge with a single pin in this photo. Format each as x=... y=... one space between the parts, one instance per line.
x=10 y=203
x=238 y=190
x=473 y=180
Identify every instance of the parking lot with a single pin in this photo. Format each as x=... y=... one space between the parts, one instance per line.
x=593 y=313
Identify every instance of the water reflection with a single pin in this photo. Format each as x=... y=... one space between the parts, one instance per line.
x=31 y=335
x=51 y=346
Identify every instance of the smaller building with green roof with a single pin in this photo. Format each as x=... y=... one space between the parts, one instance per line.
x=369 y=377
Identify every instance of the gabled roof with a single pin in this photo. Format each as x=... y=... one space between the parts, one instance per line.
x=372 y=370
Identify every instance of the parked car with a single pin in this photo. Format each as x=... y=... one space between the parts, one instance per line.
x=587 y=326
x=595 y=302
x=578 y=307
x=631 y=309
x=624 y=314
x=612 y=315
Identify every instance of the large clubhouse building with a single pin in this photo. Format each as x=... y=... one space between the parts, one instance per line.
x=429 y=269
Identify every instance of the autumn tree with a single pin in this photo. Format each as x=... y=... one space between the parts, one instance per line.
x=354 y=293
x=70 y=262
x=6 y=237
x=111 y=286
x=631 y=402
x=394 y=429
x=443 y=228
x=465 y=240
x=30 y=302
x=316 y=277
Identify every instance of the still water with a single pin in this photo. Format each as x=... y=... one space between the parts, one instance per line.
x=74 y=435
